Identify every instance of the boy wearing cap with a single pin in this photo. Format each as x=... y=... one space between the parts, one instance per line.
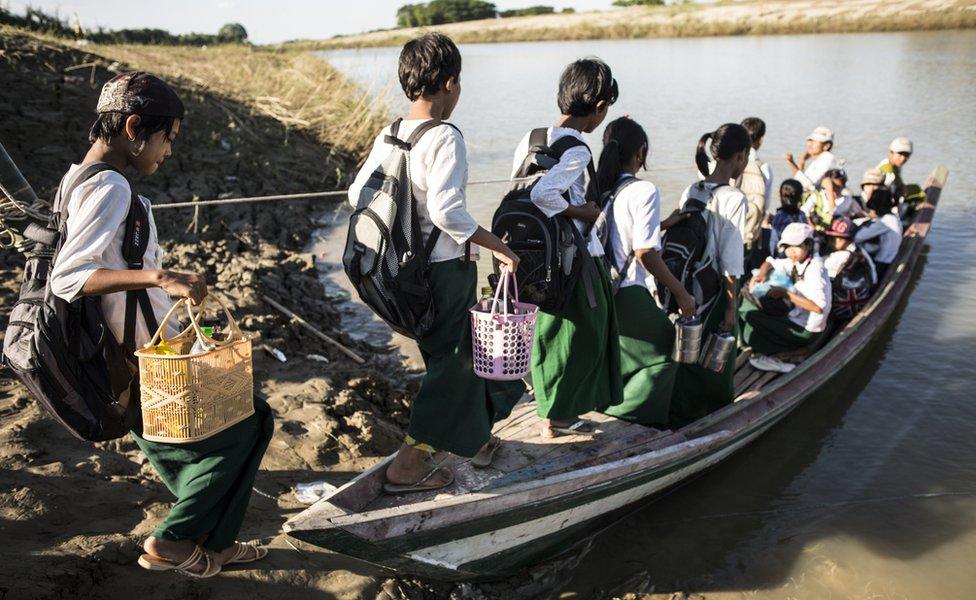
x=899 y=151
x=881 y=236
x=776 y=334
x=816 y=161
x=139 y=117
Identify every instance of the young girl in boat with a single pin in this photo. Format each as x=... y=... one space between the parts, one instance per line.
x=816 y=161
x=881 y=235
x=139 y=117
x=698 y=391
x=772 y=335
x=575 y=354
x=790 y=198
x=633 y=218
x=454 y=409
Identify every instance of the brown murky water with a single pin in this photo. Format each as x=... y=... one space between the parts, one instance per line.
x=869 y=489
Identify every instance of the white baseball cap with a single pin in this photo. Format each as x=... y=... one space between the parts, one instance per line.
x=873 y=177
x=901 y=144
x=821 y=134
x=794 y=235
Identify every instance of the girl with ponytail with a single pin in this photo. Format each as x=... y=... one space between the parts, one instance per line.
x=698 y=391
x=633 y=245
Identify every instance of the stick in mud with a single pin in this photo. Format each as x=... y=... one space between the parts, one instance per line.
x=310 y=327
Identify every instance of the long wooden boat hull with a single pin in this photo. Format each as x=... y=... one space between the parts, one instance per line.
x=494 y=529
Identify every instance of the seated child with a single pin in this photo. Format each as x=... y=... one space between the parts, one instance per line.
x=872 y=180
x=776 y=334
x=832 y=199
x=881 y=235
x=841 y=248
x=851 y=270
x=790 y=196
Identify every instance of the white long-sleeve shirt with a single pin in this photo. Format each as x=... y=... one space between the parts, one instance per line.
x=567 y=175
x=97 y=210
x=728 y=223
x=636 y=226
x=814 y=171
x=439 y=178
x=886 y=231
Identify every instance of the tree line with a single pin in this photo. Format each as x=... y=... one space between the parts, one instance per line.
x=36 y=20
x=438 y=12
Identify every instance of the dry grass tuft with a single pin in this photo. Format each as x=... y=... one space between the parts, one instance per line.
x=297 y=89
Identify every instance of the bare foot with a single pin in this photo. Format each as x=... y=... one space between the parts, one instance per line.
x=173 y=551
x=411 y=465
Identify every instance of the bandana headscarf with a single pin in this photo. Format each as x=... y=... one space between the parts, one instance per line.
x=139 y=93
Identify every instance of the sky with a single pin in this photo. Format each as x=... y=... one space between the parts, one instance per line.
x=266 y=21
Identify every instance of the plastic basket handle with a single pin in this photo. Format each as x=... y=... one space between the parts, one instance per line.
x=158 y=336
x=506 y=277
x=235 y=331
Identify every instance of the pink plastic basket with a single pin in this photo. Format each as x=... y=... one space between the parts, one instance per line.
x=501 y=340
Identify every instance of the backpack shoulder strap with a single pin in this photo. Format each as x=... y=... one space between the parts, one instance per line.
x=134 y=245
x=538 y=137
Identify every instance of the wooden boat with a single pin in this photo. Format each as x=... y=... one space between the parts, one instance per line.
x=543 y=495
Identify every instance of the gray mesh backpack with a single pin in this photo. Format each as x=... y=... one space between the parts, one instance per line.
x=386 y=258
x=63 y=352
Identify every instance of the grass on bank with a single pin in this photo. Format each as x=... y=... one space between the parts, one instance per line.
x=299 y=90
x=756 y=17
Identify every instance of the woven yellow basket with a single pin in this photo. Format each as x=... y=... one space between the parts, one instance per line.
x=190 y=397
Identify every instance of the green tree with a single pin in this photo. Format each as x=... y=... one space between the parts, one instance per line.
x=232 y=32
x=437 y=12
x=638 y=2
x=530 y=10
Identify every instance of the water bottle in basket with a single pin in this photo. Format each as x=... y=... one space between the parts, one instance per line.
x=501 y=333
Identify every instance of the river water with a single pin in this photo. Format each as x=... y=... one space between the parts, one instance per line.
x=869 y=489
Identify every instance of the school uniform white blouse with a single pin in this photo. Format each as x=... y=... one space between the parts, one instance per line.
x=725 y=244
x=814 y=285
x=888 y=231
x=813 y=172
x=97 y=210
x=439 y=178
x=636 y=226
x=569 y=174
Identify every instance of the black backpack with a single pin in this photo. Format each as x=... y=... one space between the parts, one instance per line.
x=604 y=226
x=386 y=258
x=684 y=251
x=552 y=252
x=852 y=287
x=64 y=353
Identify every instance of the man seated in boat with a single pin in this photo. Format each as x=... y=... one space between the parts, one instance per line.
x=790 y=317
x=907 y=197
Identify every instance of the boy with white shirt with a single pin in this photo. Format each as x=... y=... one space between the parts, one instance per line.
x=881 y=235
x=575 y=356
x=810 y=172
x=756 y=182
x=454 y=409
x=809 y=303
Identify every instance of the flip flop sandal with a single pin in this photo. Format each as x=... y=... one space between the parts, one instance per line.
x=580 y=427
x=484 y=456
x=421 y=485
x=244 y=554
x=156 y=563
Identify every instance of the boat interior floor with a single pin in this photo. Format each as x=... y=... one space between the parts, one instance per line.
x=525 y=455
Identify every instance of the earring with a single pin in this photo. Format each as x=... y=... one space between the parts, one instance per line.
x=136 y=149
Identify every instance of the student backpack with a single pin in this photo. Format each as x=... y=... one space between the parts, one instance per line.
x=604 y=226
x=64 y=352
x=851 y=288
x=552 y=252
x=684 y=250
x=386 y=258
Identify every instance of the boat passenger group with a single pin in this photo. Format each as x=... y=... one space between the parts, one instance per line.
x=608 y=348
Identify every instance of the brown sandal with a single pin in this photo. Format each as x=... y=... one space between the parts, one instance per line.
x=244 y=549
